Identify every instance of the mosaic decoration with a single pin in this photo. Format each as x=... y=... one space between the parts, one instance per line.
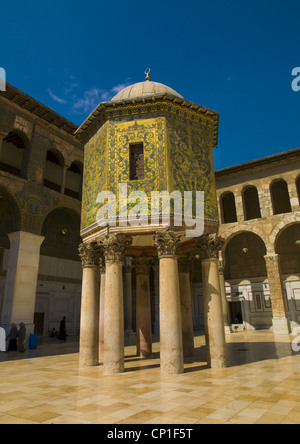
x=94 y=176
x=177 y=156
x=187 y=110
x=191 y=167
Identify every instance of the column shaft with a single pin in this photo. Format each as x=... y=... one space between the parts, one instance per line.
x=89 y=319
x=128 y=300
x=21 y=280
x=209 y=247
x=171 y=353
x=280 y=318
x=101 y=314
x=186 y=307
x=143 y=306
x=213 y=314
x=113 y=353
x=171 y=349
x=223 y=296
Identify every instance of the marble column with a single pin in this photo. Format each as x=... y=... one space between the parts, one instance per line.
x=128 y=299
x=281 y=323
x=142 y=266
x=223 y=295
x=113 y=355
x=156 y=298
x=21 y=280
x=171 y=348
x=209 y=247
x=102 y=304
x=89 y=319
x=184 y=264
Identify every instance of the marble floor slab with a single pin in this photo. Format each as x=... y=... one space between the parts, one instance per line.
x=260 y=386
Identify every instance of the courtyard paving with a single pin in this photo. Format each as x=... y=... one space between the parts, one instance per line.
x=261 y=385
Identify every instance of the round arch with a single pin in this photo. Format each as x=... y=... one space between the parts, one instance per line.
x=74 y=175
x=251 y=202
x=14 y=153
x=228 y=207
x=280 y=196
x=61 y=229
x=244 y=228
x=287 y=246
x=288 y=219
x=53 y=172
x=244 y=255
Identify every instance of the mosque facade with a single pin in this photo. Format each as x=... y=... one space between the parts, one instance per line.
x=241 y=273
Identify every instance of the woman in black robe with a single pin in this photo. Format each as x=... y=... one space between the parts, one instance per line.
x=12 y=338
x=62 y=335
x=22 y=338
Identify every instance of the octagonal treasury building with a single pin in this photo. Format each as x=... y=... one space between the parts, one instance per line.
x=147 y=143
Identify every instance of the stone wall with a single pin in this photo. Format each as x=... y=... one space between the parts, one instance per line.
x=273 y=236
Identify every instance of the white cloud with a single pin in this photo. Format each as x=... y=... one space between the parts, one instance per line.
x=116 y=89
x=92 y=97
x=88 y=102
x=56 y=98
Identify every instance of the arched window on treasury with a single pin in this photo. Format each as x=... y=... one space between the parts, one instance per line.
x=228 y=208
x=13 y=154
x=53 y=172
x=298 y=187
x=280 y=197
x=287 y=245
x=73 y=186
x=251 y=203
x=61 y=229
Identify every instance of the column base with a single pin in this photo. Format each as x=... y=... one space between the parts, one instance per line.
x=113 y=368
x=281 y=326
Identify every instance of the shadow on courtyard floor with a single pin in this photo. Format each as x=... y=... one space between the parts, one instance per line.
x=46 y=347
x=242 y=353
x=239 y=353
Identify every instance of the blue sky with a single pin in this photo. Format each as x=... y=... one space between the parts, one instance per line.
x=235 y=57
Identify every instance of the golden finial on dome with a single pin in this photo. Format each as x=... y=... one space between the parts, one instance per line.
x=147 y=72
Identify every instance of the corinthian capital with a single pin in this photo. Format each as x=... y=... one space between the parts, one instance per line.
x=209 y=246
x=115 y=245
x=142 y=264
x=89 y=254
x=167 y=243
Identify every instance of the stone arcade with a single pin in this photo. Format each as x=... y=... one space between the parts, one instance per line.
x=152 y=139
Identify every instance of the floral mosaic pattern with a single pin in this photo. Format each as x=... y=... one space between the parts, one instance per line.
x=177 y=156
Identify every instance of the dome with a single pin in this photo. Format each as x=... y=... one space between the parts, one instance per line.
x=144 y=89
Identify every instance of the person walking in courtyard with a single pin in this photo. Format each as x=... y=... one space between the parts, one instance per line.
x=62 y=335
x=12 y=338
x=22 y=338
